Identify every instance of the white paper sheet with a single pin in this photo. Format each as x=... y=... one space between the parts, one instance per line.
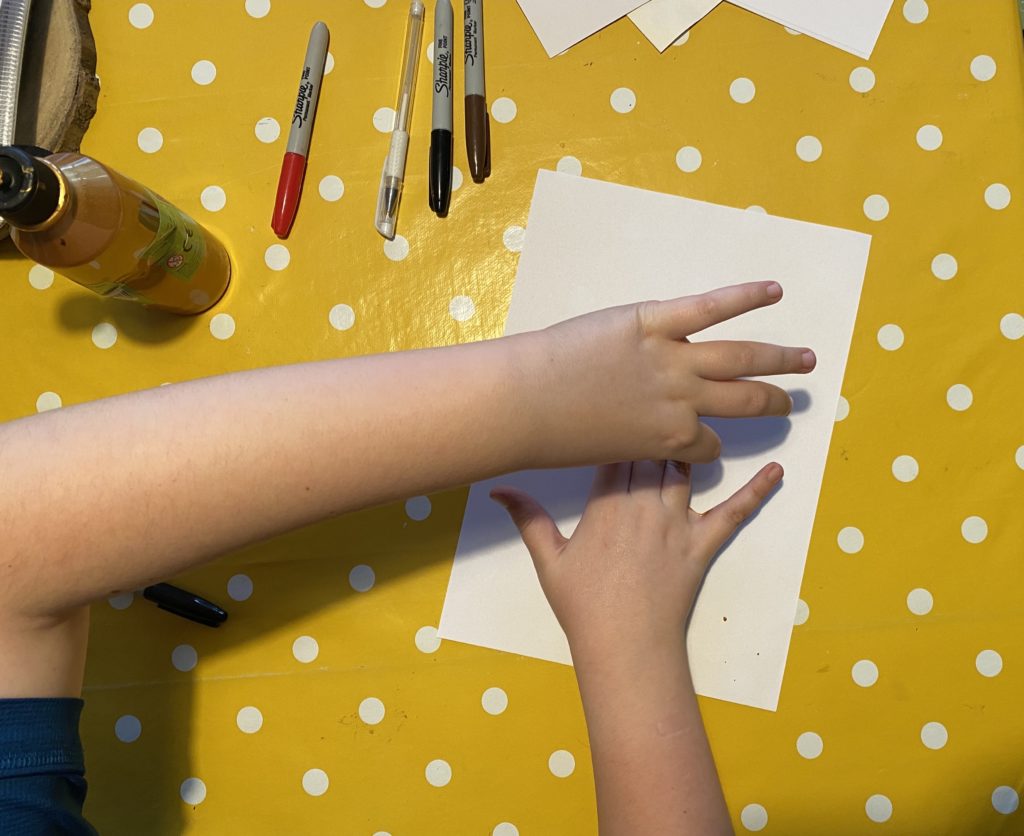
x=561 y=23
x=591 y=245
x=850 y=26
x=663 y=21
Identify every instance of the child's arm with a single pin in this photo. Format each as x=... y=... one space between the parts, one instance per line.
x=119 y=493
x=622 y=588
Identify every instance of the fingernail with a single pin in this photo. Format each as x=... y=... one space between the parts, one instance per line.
x=774 y=290
x=775 y=472
x=809 y=360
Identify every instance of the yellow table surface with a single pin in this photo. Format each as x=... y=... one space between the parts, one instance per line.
x=924 y=326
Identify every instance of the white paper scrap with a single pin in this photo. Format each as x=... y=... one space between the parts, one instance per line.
x=663 y=21
x=561 y=23
x=590 y=245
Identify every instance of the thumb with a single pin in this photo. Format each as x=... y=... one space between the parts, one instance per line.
x=539 y=532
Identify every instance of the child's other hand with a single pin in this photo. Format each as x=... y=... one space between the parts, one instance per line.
x=631 y=570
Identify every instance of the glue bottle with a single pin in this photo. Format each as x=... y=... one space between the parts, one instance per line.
x=108 y=233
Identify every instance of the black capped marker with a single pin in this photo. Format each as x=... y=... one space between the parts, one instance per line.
x=441 y=138
x=186 y=604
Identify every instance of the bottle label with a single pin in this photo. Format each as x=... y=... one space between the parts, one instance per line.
x=179 y=245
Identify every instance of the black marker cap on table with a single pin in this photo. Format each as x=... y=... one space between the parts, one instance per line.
x=29 y=188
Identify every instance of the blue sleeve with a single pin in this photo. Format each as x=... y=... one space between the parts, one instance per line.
x=42 y=768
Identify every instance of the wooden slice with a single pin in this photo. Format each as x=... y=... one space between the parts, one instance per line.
x=59 y=87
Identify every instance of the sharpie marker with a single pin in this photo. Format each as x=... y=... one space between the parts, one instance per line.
x=441 y=140
x=293 y=169
x=478 y=126
x=392 y=179
x=185 y=604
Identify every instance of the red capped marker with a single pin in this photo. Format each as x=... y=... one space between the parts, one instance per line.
x=293 y=169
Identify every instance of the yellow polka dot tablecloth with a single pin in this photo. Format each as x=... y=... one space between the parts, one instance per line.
x=327 y=704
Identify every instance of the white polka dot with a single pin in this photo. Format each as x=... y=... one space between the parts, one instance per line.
x=222 y=326
x=514 y=237
x=331 y=188
x=570 y=165
x=682 y=39
x=1018 y=457
x=277 y=257
x=249 y=719
x=915 y=11
x=989 y=663
x=430 y=52
x=758 y=210
x=384 y=119
x=803 y=612
x=997 y=196
x=427 y=640
x=198 y=297
x=878 y=808
x=862 y=79
x=561 y=763
x=104 y=335
x=876 y=207
x=438 y=773
x=240 y=587
x=842 y=409
x=504 y=110
x=742 y=90
x=213 y=198
x=375 y=4
x=329 y=63
x=792 y=31
x=40 y=277
x=397 y=249
x=257 y=8
x=934 y=735
x=905 y=468
x=122 y=600
x=623 y=100
x=920 y=601
x=315 y=782
x=371 y=711
x=494 y=701
x=929 y=137
x=342 y=317
x=809 y=745
x=361 y=578
x=1005 y=800
x=184 y=657
x=808 y=149
x=688 y=159
x=754 y=817
x=418 y=508
x=267 y=129
x=150 y=140
x=1011 y=326
x=974 y=529
x=140 y=15
x=192 y=791
x=944 y=266
x=47 y=401
x=959 y=397
x=865 y=673
x=890 y=337
x=850 y=540
x=305 y=649
x=505 y=829
x=204 y=72
x=456 y=178
x=128 y=728
x=462 y=308
x=983 y=67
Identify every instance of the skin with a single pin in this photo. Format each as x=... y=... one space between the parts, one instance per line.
x=622 y=588
x=123 y=492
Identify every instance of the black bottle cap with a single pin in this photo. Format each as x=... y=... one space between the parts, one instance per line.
x=29 y=189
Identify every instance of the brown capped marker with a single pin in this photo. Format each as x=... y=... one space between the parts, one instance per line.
x=478 y=125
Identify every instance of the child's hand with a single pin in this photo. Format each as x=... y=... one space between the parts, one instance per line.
x=625 y=383
x=630 y=572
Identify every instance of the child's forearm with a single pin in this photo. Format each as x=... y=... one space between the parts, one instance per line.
x=117 y=493
x=653 y=768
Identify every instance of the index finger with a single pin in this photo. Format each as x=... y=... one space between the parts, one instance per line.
x=679 y=318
